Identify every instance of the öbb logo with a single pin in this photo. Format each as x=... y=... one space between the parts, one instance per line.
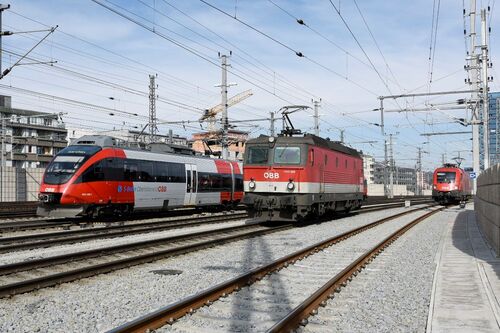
x=271 y=175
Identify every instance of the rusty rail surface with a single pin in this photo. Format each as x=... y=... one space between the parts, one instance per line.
x=168 y=314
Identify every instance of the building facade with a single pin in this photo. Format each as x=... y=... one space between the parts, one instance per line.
x=406 y=177
x=208 y=143
x=493 y=126
x=369 y=169
x=30 y=138
x=130 y=136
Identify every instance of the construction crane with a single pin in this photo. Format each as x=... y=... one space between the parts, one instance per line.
x=210 y=114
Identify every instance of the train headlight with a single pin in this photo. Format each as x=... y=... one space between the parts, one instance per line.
x=290 y=186
x=251 y=185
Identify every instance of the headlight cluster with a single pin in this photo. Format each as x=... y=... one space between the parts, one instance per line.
x=251 y=185
x=290 y=186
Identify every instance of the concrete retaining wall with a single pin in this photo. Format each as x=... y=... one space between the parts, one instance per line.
x=487 y=205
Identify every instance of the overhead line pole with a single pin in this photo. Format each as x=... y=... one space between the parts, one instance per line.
x=484 y=72
x=391 y=167
x=271 y=128
x=2 y=164
x=225 y=124
x=385 y=143
x=316 y=117
x=153 y=128
x=473 y=69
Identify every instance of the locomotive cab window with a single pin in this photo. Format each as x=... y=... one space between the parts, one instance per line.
x=287 y=155
x=65 y=164
x=257 y=155
x=446 y=177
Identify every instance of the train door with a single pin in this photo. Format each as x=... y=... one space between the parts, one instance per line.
x=322 y=167
x=232 y=181
x=191 y=184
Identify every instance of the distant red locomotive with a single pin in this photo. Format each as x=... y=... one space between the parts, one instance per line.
x=95 y=176
x=451 y=184
x=292 y=177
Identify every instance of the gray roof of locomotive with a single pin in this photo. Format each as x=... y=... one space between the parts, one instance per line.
x=307 y=139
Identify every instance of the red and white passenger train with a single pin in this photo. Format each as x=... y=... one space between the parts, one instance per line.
x=291 y=177
x=94 y=176
x=451 y=184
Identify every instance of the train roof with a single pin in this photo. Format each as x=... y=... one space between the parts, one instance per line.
x=308 y=139
x=449 y=167
x=106 y=141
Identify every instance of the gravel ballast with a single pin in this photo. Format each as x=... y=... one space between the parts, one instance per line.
x=393 y=293
x=105 y=301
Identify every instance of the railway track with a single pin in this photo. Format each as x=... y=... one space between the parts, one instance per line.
x=17 y=209
x=34 y=274
x=39 y=273
x=33 y=241
x=36 y=224
x=260 y=285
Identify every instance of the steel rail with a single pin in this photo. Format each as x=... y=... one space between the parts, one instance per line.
x=99 y=252
x=170 y=313
x=68 y=222
x=73 y=236
x=92 y=270
x=299 y=315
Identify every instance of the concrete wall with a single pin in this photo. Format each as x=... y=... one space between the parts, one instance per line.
x=20 y=184
x=487 y=205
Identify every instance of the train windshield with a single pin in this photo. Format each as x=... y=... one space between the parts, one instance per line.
x=257 y=155
x=287 y=155
x=446 y=177
x=67 y=162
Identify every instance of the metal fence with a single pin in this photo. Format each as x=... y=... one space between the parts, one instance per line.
x=17 y=184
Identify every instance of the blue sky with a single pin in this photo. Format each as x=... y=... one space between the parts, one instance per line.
x=103 y=63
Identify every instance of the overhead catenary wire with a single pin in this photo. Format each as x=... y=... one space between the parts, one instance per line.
x=190 y=50
x=121 y=56
x=360 y=46
x=254 y=60
x=432 y=46
x=377 y=45
x=298 y=53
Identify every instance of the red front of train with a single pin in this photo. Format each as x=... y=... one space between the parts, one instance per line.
x=94 y=176
x=290 y=177
x=451 y=184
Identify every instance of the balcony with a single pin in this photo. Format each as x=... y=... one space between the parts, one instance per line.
x=58 y=128
x=34 y=141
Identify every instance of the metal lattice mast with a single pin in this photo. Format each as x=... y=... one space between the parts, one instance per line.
x=472 y=68
x=418 y=177
x=484 y=79
x=153 y=129
x=225 y=123
x=391 y=168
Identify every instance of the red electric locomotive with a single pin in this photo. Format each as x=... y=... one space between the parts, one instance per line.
x=292 y=177
x=451 y=184
x=95 y=176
